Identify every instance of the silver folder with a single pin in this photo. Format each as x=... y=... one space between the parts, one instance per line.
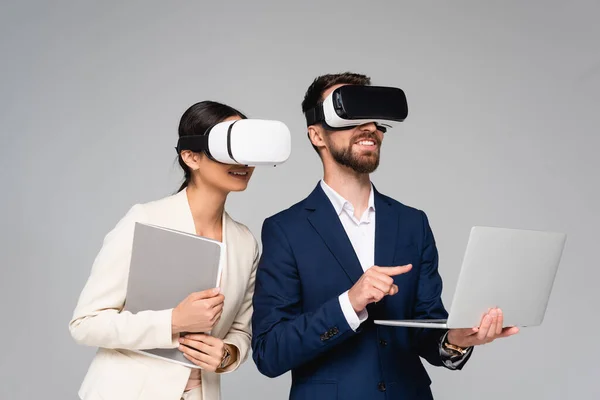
x=166 y=266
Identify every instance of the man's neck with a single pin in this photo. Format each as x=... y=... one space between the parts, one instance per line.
x=352 y=186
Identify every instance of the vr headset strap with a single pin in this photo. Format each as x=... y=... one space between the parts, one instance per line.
x=195 y=143
x=199 y=143
x=314 y=115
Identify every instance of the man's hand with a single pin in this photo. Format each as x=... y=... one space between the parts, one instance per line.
x=489 y=330
x=375 y=283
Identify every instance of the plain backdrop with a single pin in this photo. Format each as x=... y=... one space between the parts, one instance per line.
x=504 y=101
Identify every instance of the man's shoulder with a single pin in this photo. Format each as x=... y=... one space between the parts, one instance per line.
x=401 y=207
x=295 y=213
x=413 y=222
x=409 y=215
x=288 y=214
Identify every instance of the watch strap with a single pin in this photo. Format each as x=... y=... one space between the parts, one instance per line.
x=455 y=349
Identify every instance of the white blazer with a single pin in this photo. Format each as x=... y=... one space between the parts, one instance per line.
x=117 y=373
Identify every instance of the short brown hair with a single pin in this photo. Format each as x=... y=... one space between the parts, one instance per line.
x=313 y=94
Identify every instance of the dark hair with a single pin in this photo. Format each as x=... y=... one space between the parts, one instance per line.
x=315 y=91
x=196 y=120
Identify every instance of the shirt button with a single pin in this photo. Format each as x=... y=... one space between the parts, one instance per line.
x=381 y=386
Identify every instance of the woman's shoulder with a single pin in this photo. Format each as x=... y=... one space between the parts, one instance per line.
x=171 y=211
x=162 y=204
x=150 y=211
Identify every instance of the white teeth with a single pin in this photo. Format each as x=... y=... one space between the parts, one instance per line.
x=366 y=143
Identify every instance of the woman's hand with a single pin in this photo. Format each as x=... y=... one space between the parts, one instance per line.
x=206 y=351
x=199 y=312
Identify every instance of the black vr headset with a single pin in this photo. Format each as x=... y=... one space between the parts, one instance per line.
x=249 y=142
x=352 y=105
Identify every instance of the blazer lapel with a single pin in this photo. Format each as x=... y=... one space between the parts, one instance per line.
x=328 y=225
x=181 y=215
x=386 y=231
x=228 y=261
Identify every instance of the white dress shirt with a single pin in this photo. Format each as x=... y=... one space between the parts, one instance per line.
x=361 y=233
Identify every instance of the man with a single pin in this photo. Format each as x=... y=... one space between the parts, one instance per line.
x=339 y=259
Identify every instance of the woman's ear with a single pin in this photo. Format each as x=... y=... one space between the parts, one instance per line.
x=191 y=159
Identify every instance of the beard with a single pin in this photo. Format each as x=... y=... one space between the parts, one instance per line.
x=364 y=163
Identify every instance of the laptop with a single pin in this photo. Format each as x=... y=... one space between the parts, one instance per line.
x=511 y=269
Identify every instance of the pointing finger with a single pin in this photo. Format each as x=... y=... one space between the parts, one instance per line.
x=393 y=271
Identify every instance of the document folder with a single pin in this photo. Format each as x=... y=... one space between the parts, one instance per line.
x=166 y=266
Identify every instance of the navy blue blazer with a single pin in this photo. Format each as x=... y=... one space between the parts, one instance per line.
x=306 y=263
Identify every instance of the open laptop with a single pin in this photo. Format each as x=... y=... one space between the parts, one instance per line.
x=507 y=268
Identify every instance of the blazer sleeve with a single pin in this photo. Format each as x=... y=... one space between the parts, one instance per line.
x=284 y=335
x=240 y=333
x=429 y=302
x=99 y=319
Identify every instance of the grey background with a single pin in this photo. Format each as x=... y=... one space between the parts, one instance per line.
x=504 y=99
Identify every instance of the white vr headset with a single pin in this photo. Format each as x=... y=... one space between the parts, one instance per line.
x=249 y=142
x=352 y=105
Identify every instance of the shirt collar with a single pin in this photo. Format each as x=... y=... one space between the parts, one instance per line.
x=339 y=202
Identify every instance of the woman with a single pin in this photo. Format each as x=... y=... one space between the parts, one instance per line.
x=117 y=372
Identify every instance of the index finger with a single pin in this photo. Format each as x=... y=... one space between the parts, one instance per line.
x=393 y=271
x=201 y=337
x=206 y=294
x=214 y=301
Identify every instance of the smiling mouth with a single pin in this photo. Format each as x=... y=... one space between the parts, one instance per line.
x=238 y=173
x=367 y=143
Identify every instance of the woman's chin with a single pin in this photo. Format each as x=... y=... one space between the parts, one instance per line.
x=238 y=187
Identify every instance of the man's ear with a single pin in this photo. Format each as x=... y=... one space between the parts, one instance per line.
x=316 y=136
x=191 y=159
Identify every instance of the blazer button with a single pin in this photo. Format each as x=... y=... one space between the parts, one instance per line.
x=381 y=386
x=382 y=342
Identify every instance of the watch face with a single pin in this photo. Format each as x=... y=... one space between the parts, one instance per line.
x=225 y=358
